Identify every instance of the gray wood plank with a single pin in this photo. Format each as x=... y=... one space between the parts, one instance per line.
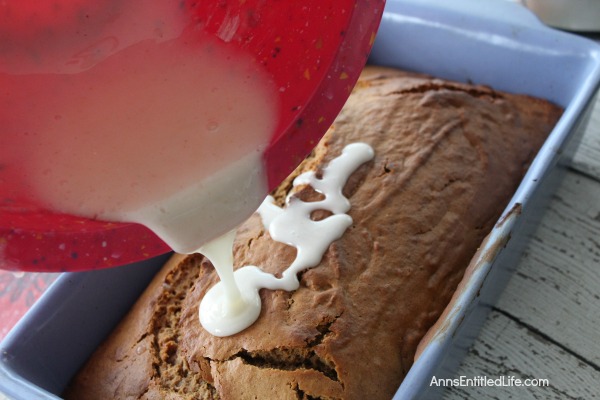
x=556 y=288
x=545 y=324
x=507 y=348
x=587 y=157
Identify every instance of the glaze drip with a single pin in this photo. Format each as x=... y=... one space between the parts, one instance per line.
x=234 y=303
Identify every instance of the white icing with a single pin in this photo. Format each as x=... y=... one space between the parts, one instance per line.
x=209 y=200
x=224 y=310
x=233 y=304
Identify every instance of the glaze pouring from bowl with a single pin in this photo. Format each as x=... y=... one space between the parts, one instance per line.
x=115 y=111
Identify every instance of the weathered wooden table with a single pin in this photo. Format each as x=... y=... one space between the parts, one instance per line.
x=546 y=324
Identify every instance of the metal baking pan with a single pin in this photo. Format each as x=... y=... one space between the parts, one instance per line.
x=495 y=42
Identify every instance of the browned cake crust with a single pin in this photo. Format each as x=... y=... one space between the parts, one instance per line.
x=448 y=157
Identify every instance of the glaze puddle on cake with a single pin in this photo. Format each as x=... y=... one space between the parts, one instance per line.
x=234 y=303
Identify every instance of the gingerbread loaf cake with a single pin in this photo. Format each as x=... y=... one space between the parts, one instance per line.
x=448 y=157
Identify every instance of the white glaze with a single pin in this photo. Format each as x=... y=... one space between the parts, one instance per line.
x=220 y=253
x=222 y=311
x=209 y=201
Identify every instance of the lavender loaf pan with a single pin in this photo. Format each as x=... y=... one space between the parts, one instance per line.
x=494 y=42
